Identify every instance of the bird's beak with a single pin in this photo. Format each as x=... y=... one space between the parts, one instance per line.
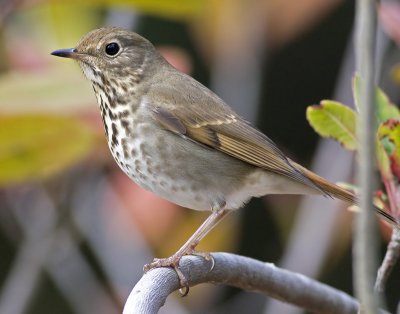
x=65 y=53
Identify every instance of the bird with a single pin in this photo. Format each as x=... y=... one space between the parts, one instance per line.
x=176 y=138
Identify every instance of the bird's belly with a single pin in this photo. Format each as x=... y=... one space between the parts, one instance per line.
x=180 y=170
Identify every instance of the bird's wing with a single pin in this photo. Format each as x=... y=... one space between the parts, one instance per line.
x=232 y=135
x=227 y=132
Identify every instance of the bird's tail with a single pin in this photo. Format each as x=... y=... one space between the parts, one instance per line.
x=336 y=191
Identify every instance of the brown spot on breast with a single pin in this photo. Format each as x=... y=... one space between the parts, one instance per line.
x=125 y=147
x=123 y=114
x=122 y=100
x=103 y=110
x=110 y=101
x=112 y=116
x=112 y=89
x=114 y=128
x=143 y=149
x=102 y=78
x=93 y=71
x=149 y=162
x=102 y=118
x=124 y=88
x=133 y=108
x=96 y=85
x=105 y=128
x=125 y=125
x=114 y=140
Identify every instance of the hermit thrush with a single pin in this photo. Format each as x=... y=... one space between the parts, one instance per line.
x=176 y=138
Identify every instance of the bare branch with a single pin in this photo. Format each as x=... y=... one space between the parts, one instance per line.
x=151 y=292
x=391 y=257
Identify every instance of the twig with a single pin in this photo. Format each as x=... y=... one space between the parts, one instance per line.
x=391 y=257
x=365 y=246
x=393 y=250
x=151 y=292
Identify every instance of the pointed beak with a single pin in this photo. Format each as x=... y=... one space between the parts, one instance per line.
x=65 y=53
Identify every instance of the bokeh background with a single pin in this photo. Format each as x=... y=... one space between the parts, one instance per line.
x=75 y=232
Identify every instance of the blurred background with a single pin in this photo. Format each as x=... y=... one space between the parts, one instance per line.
x=75 y=232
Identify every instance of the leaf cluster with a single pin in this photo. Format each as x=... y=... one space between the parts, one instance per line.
x=335 y=120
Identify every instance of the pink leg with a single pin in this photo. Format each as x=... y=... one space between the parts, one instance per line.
x=189 y=247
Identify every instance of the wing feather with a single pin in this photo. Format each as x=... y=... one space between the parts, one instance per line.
x=232 y=135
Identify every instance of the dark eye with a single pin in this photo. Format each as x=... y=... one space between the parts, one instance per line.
x=112 y=49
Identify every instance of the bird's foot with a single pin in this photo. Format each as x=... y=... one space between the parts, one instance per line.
x=173 y=262
x=207 y=256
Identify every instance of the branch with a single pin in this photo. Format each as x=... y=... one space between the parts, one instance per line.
x=391 y=257
x=365 y=242
x=151 y=292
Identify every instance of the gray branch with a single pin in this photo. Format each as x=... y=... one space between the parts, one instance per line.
x=151 y=292
x=365 y=241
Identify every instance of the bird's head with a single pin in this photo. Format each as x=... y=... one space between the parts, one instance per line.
x=110 y=51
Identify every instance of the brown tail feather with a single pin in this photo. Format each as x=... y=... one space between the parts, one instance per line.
x=337 y=192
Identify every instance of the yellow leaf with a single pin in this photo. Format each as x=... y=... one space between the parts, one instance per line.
x=38 y=146
x=172 y=9
x=56 y=92
x=334 y=120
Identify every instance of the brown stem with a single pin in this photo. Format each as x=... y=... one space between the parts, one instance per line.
x=391 y=193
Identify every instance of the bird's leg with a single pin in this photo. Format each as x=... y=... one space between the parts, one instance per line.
x=189 y=247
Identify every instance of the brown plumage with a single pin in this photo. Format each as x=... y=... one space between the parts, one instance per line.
x=176 y=138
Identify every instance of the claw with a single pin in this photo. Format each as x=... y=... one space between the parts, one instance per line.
x=212 y=263
x=207 y=256
x=173 y=262
x=184 y=291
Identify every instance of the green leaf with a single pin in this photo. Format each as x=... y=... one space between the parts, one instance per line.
x=38 y=146
x=334 y=120
x=389 y=134
x=384 y=108
x=383 y=161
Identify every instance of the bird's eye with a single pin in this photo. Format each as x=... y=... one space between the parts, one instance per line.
x=112 y=49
